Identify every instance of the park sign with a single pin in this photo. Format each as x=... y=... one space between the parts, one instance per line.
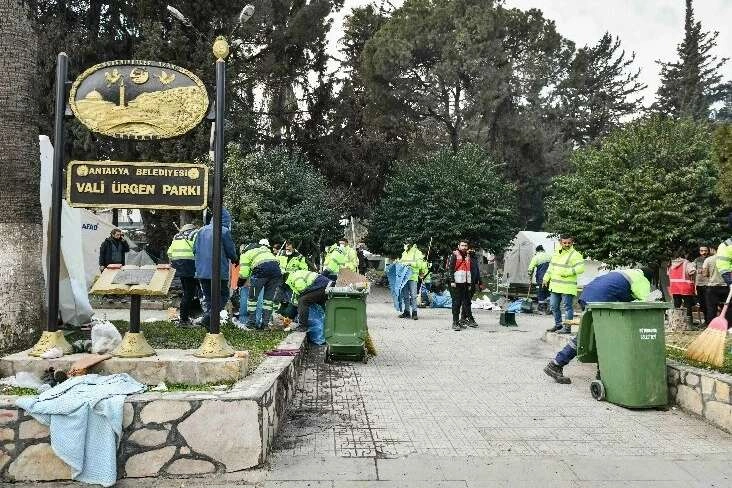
x=131 y=99
x=120 y=184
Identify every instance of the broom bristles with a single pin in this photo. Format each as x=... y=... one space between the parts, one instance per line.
x=708 y=347
x=369 y=343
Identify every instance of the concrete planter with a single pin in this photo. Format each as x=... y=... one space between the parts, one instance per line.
x=171 y=434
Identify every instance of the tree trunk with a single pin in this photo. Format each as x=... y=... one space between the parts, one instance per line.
x=21 y=273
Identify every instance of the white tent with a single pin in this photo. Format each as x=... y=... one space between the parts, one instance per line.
x=74 y=305
x=517 y=257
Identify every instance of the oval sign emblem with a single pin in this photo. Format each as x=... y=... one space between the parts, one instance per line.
x=130 y=99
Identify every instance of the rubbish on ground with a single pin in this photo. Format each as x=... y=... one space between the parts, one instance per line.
x=105 y=337
x=150 y=320
x=161 y=387
x=22 y=379
x=173 y=314
x=224 y=315
x=54 y=376
x=52 y=353
x=515 y=306
x=82 y=365
x=82 y=345
x=484 y=303
x=283 y=352
x=441 y=300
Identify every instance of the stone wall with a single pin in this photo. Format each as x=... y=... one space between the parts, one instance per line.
x=171 y=434
x=701 y=392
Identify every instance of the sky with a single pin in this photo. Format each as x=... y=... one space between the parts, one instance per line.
x=650 y=28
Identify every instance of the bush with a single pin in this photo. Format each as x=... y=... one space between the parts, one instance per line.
x=445 y=196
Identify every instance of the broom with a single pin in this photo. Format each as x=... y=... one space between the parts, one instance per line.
x=709 y=346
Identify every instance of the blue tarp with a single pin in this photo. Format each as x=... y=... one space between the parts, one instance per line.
x=515 y=306
x=441 y=300
x=398 y=274
x=316 y=322
x=84 y=414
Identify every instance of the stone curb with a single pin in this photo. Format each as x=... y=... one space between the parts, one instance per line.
x=702 y=392
x=176 y=434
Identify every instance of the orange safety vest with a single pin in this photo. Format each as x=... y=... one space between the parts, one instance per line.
x=680 y=282
x=462 y=268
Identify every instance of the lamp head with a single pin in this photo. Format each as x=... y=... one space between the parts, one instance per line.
x=246 y=13
x=178 y=15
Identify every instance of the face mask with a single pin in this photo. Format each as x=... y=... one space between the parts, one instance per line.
x=341 y=246
x=406 y=246
x=288 y=253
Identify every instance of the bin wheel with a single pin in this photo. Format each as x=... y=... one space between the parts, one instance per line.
x=328 y=358
x=597 y=389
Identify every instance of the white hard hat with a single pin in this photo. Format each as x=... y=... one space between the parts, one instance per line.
x=264 y=242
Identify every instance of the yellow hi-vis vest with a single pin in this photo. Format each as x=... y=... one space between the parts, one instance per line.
x=291 y=263
x=414 y=258
x=563 y=270
x=182 y=245
x=253 y=258
x=336 y=259
x=724 y=257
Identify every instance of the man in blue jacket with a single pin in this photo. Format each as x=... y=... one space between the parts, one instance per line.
x=624 y=285
x=202 y=249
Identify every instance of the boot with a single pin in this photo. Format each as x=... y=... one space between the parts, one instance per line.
x=414 y=315
x=555 y=371
x=463 y=323
x=554 y=328
x=404 y=315
x=567 y=329
x=456 y=326
x=471 y=322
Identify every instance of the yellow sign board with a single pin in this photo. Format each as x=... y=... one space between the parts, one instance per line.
x=121 y=184
x=131 y=99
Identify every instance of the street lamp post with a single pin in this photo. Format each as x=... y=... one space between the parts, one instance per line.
x=214 y=344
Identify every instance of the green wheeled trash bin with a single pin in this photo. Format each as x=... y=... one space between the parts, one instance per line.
x=627 y=341
x=345 y=323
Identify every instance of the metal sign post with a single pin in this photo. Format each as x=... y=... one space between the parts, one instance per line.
x=52 y=337
x=214 y=344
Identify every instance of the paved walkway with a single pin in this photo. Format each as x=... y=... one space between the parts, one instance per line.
x=472 y=409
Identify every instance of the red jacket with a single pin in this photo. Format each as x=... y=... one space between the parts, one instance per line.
x=681 y=277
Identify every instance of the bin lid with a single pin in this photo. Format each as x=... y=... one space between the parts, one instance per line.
x=629 y=305
x=345 y=291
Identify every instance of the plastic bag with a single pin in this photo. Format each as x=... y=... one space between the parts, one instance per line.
x=316 y=324
x=441 y=300
x=105 y=338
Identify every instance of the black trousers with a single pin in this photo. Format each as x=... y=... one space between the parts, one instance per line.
x=701 y=298
x=304 y=302
x=686 y=300
x=715 y=297
x=190 y=289
x=460 y=301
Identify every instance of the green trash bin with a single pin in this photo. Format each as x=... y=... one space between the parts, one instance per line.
x=630 y=349
x=345 y=324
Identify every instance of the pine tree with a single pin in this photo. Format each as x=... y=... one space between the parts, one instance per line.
x=690 y=85
x=600 y=89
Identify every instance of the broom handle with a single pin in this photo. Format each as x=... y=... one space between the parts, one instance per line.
x=726 y=304
x=529 y=291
